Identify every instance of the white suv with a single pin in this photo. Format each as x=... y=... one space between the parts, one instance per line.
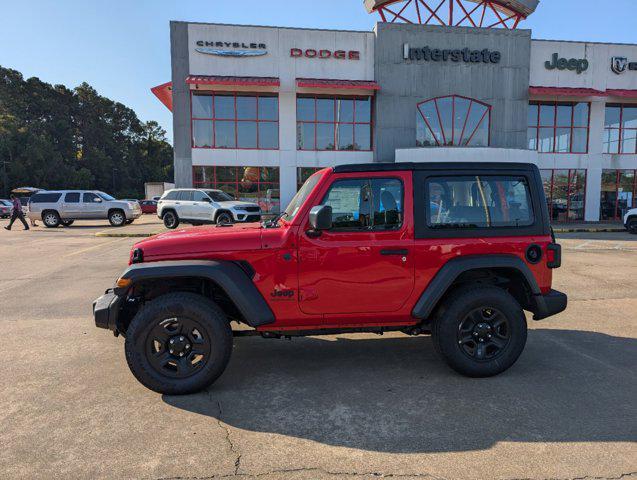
x=199 y=206
x=630 y=220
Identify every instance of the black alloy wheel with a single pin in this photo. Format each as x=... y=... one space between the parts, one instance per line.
x=224 y=218
x=177 y=348
x=171 y=220
x=483 y=334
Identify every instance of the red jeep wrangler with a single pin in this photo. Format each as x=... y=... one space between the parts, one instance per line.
x=456 y=250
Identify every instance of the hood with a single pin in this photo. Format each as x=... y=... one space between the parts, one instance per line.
x=237 y=203
x=195 y=241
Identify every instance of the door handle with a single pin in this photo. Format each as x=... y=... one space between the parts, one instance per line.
x=390 y=251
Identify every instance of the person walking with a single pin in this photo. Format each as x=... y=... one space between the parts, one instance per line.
x=16 y=213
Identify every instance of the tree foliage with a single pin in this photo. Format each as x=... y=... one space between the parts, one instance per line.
x=53 y=138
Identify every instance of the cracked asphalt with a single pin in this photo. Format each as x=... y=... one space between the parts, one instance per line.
x=346 y=406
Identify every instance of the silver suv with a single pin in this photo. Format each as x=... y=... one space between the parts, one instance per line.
x=199 y=206
x=63 y=207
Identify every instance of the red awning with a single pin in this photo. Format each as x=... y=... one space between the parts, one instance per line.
x=622 y=93
x=566 y=92
x=337 y=84
x=238 y=81
x=165 y=94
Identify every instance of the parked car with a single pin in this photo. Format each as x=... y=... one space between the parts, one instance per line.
x=148 y=206
x=5 y=208
x=630 y=220
x=199 y=206
x=63 y=207
x=354 y=251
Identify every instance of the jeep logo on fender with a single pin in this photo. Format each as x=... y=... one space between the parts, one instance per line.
x=578 y=64
x=282 y=294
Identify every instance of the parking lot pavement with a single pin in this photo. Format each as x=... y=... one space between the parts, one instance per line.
x=344 y=406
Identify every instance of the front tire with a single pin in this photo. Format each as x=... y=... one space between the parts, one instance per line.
x=179 y=343
x=117 y=218
x=631 y=226
x=171 y=220
x=224 y=218
x=51 y=219
x=67 y=223
x=480 y=331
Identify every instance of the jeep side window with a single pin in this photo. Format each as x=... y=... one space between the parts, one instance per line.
x=73 y=197
x=479 y=202
x=185 y=196
x=365 y=204
x=198 y=196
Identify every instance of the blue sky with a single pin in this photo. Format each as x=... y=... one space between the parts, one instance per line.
x=122 y=48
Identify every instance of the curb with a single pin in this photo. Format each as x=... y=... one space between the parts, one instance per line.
x=124 y=235
x=589 y=230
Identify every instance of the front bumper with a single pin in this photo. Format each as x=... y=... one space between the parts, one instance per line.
x=106 y=310
x=242 y=216
x=550 y=304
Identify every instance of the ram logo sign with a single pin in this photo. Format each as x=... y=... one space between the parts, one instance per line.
x=619 y=64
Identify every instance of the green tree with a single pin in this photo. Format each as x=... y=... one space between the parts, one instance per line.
x=53 y=137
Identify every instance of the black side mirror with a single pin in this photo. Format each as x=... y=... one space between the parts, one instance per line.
x=321 y=218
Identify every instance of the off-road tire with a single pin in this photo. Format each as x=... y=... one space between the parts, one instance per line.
x=51 y=219
x=453 y=312
x=215 y=326
x=171 y=219
x=631 y=226
x=117 y=218
x=224 y=218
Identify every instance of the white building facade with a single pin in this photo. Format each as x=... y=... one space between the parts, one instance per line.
x=258 y=109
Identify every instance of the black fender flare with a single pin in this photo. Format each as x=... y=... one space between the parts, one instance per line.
x=229 y=276
x=451 y=270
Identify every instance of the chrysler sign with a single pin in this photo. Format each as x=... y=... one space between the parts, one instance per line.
x=232 y=49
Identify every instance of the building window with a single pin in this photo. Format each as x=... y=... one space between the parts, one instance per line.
x=619 y=188
x=251 y=184
x=303 y=173
x=565 y=192
x=334 y=123
x=620 y=129
x=558 y=127
x=453 y=121
x=235 y=120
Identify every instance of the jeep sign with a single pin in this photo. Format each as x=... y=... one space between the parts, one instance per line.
x=577 y=64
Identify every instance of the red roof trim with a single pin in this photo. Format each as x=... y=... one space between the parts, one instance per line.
x=567 y=92
x=164 y=93
x=240 y=81
x=622 y=93
x=337 y=84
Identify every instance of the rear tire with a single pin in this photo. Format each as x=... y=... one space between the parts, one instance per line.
x=479 y=331
x=179 y=343
x=51 y=219
x=631 y=226
x=117 y=218
x=171 y=220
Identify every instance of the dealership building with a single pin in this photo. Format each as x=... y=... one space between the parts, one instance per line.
x=256 y=110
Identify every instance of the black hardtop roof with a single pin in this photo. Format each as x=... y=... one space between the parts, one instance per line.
x=447 y=166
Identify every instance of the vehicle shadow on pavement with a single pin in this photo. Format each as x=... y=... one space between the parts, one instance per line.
x=395 y=395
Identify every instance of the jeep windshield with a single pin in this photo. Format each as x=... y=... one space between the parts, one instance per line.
x=299 y=199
